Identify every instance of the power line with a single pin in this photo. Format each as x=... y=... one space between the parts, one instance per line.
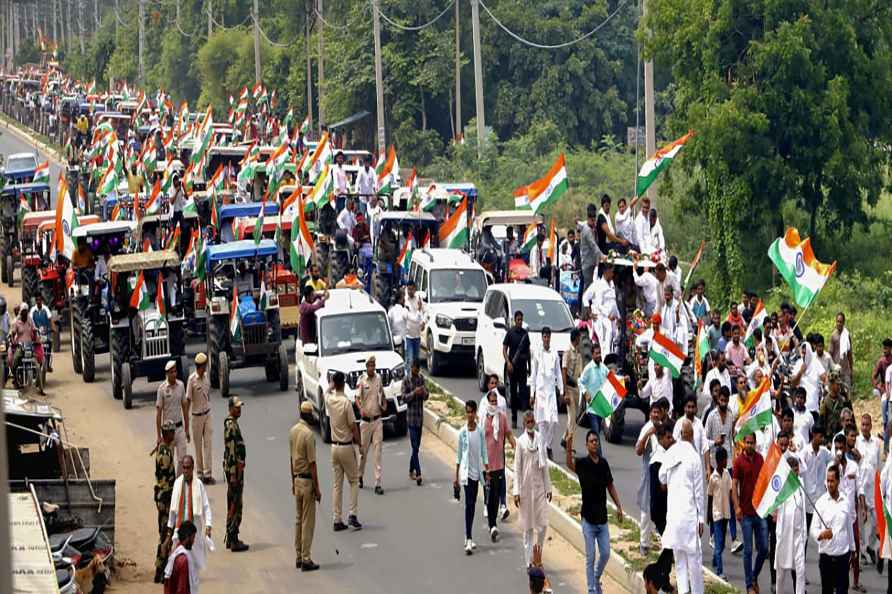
x=326 y=23
x=419 y=27
x=559 y=45
x=264 y=35
x=225 y=28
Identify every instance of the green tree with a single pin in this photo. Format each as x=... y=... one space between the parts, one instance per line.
x=789 y=100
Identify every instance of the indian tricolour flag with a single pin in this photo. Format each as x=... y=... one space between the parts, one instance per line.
x=66 y=220
x=521 y=200
x=756 y=413
x=529 y=238
x=323 y=191
x=608 y=396
x=258 y=224
x=666 y=353
x=140 y=299
x=776 y=483
x=546 y=190
x=386 y=177
x=42 y=173
x=454 y=230
x=884 y=519
x=301 y=240
x=757 y=321
x=235 y=330
x=796 y=262
x=154 y=201
x=406 y=253
x=660 y=161
x=701 y=349
x=305 y=126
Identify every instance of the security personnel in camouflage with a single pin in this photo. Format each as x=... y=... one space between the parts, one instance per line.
x=165 y=475
x=234 y=471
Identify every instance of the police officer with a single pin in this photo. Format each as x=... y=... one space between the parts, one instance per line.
x=165 y=475
x=304 y=486
x=198 y=397
x=344 y=436
x=170 y=405
x=372 y=406
x=234 y=471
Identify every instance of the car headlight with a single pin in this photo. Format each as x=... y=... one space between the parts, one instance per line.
x=397 y=373
x=443 y=321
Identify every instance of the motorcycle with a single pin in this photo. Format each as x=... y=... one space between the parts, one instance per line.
x=30 y=372
x=47 y=341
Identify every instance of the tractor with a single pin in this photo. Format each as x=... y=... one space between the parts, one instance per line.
x=36 y=198
x=390 y=239
x=146 y=325
x=244 y=328
x=89 y=297
x=29 y=243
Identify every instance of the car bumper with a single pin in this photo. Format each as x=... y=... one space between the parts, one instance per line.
x=451 y=341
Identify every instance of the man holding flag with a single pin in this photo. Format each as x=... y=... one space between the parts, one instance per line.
x=832 y=532
x=747 y=466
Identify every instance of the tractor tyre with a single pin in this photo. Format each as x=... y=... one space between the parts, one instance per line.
x=75 y=335
x=88 y=354
x=216 y=345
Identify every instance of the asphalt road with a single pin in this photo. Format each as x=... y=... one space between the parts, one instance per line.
x=626 y=469
x=10 y=143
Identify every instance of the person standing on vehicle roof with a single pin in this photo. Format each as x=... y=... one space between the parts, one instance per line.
x=589 y=252
x=516 y=352
x=177 y=201
x=366 y=183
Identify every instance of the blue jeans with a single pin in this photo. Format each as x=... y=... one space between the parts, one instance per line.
x=595 y=534
x=412 y=347
x=470 y=506
x=885 y=425
x=758 y=527
x=415 y=442
x=719 y=527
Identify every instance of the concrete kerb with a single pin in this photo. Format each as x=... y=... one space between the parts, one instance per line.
x=564 y=524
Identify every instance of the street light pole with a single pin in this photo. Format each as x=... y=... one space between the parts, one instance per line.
x=478 y=75
x=379 y=76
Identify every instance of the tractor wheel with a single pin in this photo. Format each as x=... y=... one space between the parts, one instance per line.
x=88 y=354
x=269 y=370
x=177 y=339
x=10 y=268
x=381 y=289
x=30 y=285
x=120 y=347
x=324 y=422
x=283 y=368
x=75 y=334
x=215 y=347
x=338 y=269
x=127 y=385
x=224 y=374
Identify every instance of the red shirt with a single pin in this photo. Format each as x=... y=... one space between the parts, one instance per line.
x=746 y=472
x=178 y=582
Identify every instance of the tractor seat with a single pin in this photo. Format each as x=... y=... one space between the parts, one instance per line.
x=248 y=313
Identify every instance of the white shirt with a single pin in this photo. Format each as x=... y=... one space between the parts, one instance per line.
x=650 y=287
x=815 y=472
x=538 y=256
x=366 y=183
x=836 y=514
x=848 y=484
x=625 y=225
x=565 y=255
x=601 y=298
x=871 y=449
x=340 y=180
x=657 y=387
x=724 y=379
x=414 y=316
x=802 y=425
x=642 y=231
x=657 y=241
x=501 y=402
x=700 y=444
x=682 y=473
x=347 y=221
x=397 y=316
x=545 y=373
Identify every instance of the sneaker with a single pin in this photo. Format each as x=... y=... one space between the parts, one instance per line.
x=485 y=511
x=737 y=546
x=418 y=480
x=339 y=526
x=354 y=523
x=503 y=512
x=722 y=576
x=379 y=490
x=473 y=545
x=494 y=534
x=468 y=548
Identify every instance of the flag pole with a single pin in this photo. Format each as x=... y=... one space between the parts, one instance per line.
x=812 y=503
x=802 y=315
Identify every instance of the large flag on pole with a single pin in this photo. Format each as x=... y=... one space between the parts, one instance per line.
x=776 y=483
x=756 y=322
x=546 y=190
x=796 y=262
x=668 y=354
x=661 y=160
x=701 y=349
x=608 y=397
x=302 y=245
x=66 y=220
x=454 y=230
x=756 y=413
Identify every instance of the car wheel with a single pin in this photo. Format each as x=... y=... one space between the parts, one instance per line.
x=283 y=368
x=224 y=374
x=324 y=423
x=481 y=372
x=433 y=359
x=127 y=385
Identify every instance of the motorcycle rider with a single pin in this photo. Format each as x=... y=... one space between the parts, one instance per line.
x=23 y=334
x=42 y=319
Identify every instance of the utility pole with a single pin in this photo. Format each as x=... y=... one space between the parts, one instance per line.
x=69 y=23
x=256 y=42
x=379 y=77
x=53 y=18
x=142 y=39
x=210 y=21
x=478 y=75
x=458 y=128
x=650 y=138
x=80 y=23
x=320 y=65
x=98 y=19
x=309 y=6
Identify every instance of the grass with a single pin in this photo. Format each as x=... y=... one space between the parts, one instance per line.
x=563 y=484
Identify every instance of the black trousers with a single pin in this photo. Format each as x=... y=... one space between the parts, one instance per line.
x=772 y=545
x=518 y=392
x=493 y=493
x=834 y=573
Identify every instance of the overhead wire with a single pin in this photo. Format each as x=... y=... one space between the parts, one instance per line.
x=419 y=27
x=265 y=36
x=326 y=23
x=225 y=28
x=558 y=45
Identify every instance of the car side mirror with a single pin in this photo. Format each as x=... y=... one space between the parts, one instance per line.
x=311 y=349
x=499 y=323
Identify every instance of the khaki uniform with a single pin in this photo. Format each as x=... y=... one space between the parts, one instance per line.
x=371 y=405
x=303 y=454
x=343 y=455
x=198 y=391
x=573 y=364
x=170 y=400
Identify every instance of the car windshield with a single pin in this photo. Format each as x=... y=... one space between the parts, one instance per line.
x=539 y=314
x=21 y=163
x=457 y=285
x=354 y=333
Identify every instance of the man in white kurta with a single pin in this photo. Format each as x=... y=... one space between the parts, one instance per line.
x=532 y=488
x=189 y=501
x=600 y=298
x=546 y=381
x=871 y=448
x=792 y=534
x=682 y=473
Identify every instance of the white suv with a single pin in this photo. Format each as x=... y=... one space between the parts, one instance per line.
x=541 y=307
x=350 y=328
x=452 y=287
